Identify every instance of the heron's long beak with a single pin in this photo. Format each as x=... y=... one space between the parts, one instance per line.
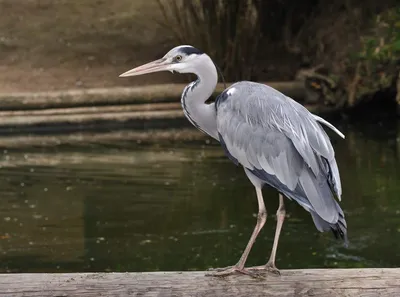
x=155 y=66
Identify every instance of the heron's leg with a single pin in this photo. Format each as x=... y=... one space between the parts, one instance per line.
x=239 y=267
x=261 y=219
x=280 y=215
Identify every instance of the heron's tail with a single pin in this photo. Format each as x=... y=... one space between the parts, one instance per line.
x=339 y=229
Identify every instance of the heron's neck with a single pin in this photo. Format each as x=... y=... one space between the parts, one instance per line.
x=201 y=115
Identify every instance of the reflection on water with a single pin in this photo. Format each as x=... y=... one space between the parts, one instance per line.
x=186 y=207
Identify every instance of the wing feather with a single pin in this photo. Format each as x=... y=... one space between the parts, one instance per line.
x=329 y=125
x=280 y=141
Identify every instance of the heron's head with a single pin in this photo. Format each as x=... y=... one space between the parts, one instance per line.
x=182 y=59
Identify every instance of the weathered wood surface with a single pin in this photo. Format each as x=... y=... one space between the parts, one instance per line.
x=118 y=95
x=159 y=136
x=71 y=111
x=92 y=109
x=68 y=116
x=87 y=109
x=312 y=282
x=95 y=113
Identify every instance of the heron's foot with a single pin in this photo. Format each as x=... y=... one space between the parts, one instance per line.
x=231 y=270
x=268 y=268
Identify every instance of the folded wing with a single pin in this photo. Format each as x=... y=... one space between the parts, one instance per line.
x=282 y=143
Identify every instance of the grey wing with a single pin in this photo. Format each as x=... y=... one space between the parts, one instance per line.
x=313 y=140
x=282 y=144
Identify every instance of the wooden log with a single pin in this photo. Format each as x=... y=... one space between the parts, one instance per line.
x=17 y=121
x=66 y=120
x=311 y=282
x=119 y=95
x=85 y=110
x=92 y=109
x=116 y=137
x=68 y=116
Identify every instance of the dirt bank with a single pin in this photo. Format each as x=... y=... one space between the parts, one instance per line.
x=53 y=45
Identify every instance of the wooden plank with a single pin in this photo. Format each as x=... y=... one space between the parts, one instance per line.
x=87 y=115
x=92 y=109
x=118 y=95
x=86 y=118
x=92 y=115
x=158 y=136
x=311 y=282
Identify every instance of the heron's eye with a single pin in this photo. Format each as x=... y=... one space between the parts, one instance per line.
x=178 y=58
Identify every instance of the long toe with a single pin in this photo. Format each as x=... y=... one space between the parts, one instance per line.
x=268 y=268
x=234 y=270
x=273 y=270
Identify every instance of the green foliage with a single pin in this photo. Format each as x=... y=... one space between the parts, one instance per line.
x=376 y=64
x=383 y=45
x=250 y=39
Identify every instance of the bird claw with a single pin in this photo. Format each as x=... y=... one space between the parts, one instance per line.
x=231 y=270
x=268 y=268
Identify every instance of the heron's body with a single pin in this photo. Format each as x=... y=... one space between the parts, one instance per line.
x=282 y=144
x=275 y=139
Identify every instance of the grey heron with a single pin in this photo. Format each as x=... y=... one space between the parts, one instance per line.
x=276 y=140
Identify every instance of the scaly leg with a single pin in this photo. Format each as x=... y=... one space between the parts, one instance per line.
x=239 y=267
x=280 y=215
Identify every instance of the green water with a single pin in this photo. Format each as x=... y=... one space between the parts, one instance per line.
x=185 y=206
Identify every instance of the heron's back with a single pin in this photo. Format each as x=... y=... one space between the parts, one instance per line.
x=282 y=144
